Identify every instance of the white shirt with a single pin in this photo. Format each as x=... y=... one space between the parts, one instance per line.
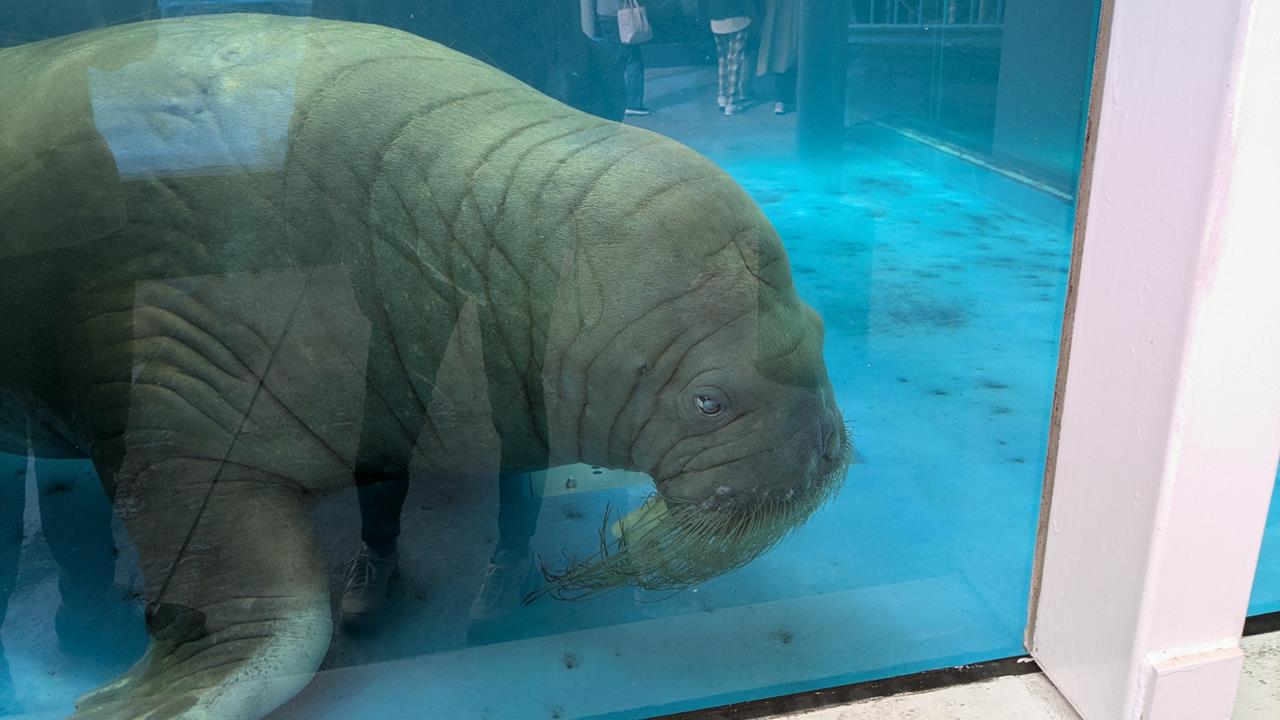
x=730 y=25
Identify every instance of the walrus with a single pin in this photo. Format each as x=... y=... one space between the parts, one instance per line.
x=247 y=256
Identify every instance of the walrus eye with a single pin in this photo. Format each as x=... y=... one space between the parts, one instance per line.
x=708 y=405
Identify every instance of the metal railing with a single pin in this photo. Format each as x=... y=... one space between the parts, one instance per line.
x=926 y=13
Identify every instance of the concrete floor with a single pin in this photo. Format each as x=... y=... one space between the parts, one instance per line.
x=1033 y=697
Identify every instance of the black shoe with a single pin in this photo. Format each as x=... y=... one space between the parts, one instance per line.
x=638 y=111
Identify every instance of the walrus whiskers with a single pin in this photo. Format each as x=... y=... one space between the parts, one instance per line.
x=689 y=543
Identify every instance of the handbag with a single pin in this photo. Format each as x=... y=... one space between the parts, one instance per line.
x=633 y=24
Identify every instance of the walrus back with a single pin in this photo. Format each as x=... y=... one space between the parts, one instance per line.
x=216 y=145
x=220 y=145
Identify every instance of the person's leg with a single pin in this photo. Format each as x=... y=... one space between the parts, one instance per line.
x=634 y=76
x=784 y=91
x=512 y=561
x=392 y=419
x=13 y=481
x=737 y=62
x=381 y=495
x=626 y=59
x=611 y=41
x=13 y=487
x=75 y=517
x=722 y=70
x=518 y=508
x=750 y=52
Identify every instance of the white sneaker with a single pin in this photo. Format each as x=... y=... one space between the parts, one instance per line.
x=500 y=588
x=367 y=586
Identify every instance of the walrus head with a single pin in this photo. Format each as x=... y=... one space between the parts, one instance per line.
x=714 y=385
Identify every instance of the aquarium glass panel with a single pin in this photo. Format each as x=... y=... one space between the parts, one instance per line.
x=477 y=359
x=1266 y=583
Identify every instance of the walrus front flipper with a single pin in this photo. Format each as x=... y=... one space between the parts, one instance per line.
x=237 y=601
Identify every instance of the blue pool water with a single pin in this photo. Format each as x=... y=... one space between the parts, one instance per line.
x=943 y=307
x=1266 y=583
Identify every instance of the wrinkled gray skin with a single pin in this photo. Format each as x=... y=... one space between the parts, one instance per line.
x=242 y=255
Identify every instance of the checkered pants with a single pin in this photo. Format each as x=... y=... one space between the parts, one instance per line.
x=730 y=49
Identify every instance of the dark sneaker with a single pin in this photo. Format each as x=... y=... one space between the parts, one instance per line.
x=638 y=111
x=368 y=581
x=502 y=585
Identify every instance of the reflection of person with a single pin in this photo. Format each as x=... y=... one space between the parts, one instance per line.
x=779 y=45
x=11 y=502
x=628 y=57
x=370 y=572
x=75 y=519
x=544 y=44
x=729 y=22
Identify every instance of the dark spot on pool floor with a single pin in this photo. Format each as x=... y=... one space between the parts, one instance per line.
x=573 y=512
x=939 y=392
x=571 y=661
x=782 y=636
x=1001 y=410
x=903 y=380
x=994 y=385
x=58 y=488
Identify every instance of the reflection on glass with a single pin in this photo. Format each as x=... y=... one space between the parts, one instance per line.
x=335 y=349
x=1266 y=583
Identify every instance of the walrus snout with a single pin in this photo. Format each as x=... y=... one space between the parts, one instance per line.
x=811 y=460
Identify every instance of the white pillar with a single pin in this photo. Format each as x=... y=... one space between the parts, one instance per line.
x=1170 y=419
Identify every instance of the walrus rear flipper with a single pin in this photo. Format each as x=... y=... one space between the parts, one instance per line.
x=237 y=603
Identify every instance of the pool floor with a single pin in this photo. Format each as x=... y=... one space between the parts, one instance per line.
x=943 y=310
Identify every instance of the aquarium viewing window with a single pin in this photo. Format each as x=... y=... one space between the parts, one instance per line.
x=470 y=360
